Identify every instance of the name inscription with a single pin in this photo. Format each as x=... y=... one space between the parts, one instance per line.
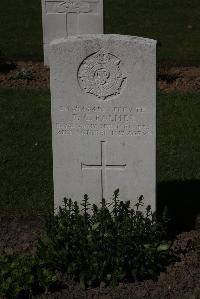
x=95 y=120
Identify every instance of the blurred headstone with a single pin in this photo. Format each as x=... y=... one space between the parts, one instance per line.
x=70 y=17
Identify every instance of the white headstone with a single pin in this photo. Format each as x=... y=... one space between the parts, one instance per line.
x=62 y=18
x=103 y=91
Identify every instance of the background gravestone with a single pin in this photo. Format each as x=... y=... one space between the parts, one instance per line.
x=103 y=91
x=70 y=17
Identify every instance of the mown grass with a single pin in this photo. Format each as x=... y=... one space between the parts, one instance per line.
x=21 y=29
x=178 y=136
x=25 y=147
x=25 y=155
x=174 y=23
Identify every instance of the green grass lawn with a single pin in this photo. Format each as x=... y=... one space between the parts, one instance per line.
x=178 y=139
x=21 y=29
x=25 y=155
x=174 y=23
x=26 y=158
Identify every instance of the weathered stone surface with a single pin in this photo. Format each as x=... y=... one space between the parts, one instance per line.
x=104 y=117
x=62 y=18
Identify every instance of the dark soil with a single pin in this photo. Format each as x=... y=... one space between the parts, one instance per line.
x=25 y=74
x=179 y=78
x=35 y=75
x=17 y=235
x=181 y=280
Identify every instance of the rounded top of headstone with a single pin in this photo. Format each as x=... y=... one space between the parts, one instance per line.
x=100 y=62
x=105 y=37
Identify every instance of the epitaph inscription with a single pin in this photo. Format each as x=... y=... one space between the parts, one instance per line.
x=100 y=75
x=96 y=120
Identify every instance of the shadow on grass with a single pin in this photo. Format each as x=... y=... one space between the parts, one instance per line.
x=7 y=67
x=181 y=201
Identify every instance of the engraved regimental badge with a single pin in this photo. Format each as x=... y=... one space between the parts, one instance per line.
x=100 y=75
x=69 y=6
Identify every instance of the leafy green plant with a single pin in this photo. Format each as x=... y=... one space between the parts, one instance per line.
x=112 y=243
x=23 y=74
x=95 y=246
x=23 y=275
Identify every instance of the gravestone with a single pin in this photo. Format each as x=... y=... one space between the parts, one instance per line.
x=103 y=90
x=62 y=18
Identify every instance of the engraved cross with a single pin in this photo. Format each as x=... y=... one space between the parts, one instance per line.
x=103 y=167
x=72 y=9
